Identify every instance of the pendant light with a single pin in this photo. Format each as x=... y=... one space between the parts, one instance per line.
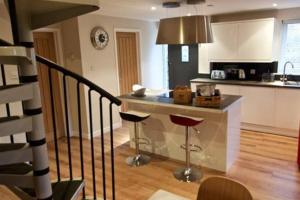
x=185 y=30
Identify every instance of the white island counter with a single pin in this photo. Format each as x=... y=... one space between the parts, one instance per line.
x=218 y=135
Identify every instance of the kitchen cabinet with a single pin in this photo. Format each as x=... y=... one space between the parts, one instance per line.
x=287 y=113
x=276 y=110
x=258 y=106
x=229 y=89
x=243 y=41
x=225 y=43
x=256 y=39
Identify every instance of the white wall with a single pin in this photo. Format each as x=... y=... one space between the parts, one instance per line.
x=100 y=66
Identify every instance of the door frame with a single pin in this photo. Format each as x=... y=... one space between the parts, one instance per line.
x=60 y=60
x=57 y=42
x=139 y=47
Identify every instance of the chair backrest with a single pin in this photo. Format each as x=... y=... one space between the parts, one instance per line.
x=221 y=188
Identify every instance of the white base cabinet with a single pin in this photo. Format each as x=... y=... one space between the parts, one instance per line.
x=287 y=108
x=258 y=105
x=274 y=110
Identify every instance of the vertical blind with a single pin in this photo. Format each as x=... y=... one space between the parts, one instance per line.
x=290 y=50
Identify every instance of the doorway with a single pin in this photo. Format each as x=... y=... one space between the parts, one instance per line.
x=182 y=71
x=44 y=44
x=128 y=65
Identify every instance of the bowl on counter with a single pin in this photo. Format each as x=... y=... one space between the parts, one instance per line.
x=138 y=91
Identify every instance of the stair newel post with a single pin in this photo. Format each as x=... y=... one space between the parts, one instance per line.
x=28 y=74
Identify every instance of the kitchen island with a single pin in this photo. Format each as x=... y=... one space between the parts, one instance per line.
x=218 y=136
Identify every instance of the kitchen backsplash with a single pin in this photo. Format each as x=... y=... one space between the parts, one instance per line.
x=253 y=71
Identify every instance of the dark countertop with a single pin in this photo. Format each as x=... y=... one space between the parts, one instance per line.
x=276 y=84
x=164 y=100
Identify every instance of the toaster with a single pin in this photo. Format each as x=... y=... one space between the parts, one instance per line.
x=218 y=74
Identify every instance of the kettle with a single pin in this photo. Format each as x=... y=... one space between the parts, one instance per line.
x=242 y=74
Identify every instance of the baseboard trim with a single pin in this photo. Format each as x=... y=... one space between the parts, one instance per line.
x=97 y=133
x=269 y=129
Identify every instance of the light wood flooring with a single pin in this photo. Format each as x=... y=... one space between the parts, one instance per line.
x=266 y=165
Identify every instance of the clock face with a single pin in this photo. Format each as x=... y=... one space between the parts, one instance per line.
x=99 y=38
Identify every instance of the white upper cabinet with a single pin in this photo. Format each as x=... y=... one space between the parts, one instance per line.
x=256 y=40
x=243 y=41
x=225 y=42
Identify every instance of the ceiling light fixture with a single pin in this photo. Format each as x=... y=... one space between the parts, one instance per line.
x=186 y=30
x=189 y=14
x=275 y=4
x=153 y=8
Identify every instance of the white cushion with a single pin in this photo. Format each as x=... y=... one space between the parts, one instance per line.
x=164 y=195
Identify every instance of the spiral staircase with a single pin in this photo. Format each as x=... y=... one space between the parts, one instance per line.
x=24 y=167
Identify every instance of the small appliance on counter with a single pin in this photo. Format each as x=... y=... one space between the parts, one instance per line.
x=182 y=95
x=242 y=74
x=250 y=71
x=207 y=96
x=268 y=77
x=218 y=74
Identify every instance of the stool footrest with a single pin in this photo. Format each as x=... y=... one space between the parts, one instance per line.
x=138 y=160
x=144 y=141
x=194 y=147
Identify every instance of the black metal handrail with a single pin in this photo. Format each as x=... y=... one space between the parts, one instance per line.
x=102 y=94
x=81 y=79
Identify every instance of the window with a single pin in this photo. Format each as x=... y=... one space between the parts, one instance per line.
x=290 y=50
x=166 y=67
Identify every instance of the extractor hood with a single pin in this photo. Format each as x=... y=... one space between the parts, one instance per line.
x=185 y=30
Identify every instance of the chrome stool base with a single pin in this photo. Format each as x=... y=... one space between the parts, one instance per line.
x=188 y=174
x=138 y=160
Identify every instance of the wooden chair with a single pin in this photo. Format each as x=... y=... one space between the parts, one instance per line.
x=221 y=188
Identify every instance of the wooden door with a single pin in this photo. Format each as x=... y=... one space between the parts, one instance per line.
x=127 y=62
x=45 y=46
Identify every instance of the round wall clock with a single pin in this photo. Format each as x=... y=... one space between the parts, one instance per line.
x=99 y=38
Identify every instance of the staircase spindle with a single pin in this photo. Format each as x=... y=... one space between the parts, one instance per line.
x=92 y=143
x=54 y=125
x=102 y=147
x=80 y=135
x=67 y=126
x=112 y=150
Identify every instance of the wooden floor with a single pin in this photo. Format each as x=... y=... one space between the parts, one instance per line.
x=267 y=166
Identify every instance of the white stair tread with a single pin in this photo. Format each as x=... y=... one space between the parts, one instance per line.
x=15 y=153
x=13 y=125
x=13 y=55
x=47 y=12
x=12 y=93
x=17 y=175
x=64 y=190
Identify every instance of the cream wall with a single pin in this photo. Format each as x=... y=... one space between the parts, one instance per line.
x=100 y=66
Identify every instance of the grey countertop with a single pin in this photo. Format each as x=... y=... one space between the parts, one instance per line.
x=275 y=84
x=164 y=100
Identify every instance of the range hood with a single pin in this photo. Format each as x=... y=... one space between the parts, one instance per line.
x=185 y=30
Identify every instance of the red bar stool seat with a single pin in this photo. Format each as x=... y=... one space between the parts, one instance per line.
x=138 y=159
x=188 y=173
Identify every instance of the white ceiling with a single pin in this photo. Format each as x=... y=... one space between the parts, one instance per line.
x=141 y=9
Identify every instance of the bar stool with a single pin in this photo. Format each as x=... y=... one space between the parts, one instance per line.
x=187 y=174
x=138 y=159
